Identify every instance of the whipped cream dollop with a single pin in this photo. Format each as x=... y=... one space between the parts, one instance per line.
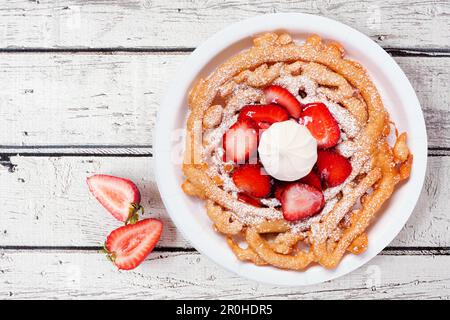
x=287 y=150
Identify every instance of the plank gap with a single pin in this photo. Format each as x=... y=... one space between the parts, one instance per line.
x=395 y=52
x=86 y=248
x=418 y=52
x=116 y=151
x=74 y=151
x=416 y=251
x=390 y=251
x=100 y=50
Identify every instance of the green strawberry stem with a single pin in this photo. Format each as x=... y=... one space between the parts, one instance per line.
x=111 y=256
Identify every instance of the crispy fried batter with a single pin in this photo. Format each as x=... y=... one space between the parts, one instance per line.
x=377 y=167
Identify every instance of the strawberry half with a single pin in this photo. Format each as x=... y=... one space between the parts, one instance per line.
x=333 y=168
x=129 y=245
x=279 y=189
x=281 y=96
x=252 y=179
x=322 y=125
x=249 y=200
x=263 y=126
x=240 y=142
x=312 y=179
x=300 y=201
x=119 y=196
x=269 y=113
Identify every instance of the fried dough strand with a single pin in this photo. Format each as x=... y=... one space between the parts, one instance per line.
x=378 y=167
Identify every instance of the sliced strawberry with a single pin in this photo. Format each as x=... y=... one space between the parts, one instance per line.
x=268 y=113
x=240 y=142
x=129 y=245
x=312 y=179
x=252 y=179
x=263 y=125
x=281 y=96
x=300 y=201
x=279 y=189
x=333 y=168
x=243 y=197
x=321 y=123
x=119 y=196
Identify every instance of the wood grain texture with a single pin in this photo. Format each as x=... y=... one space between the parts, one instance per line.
x=48 y=204
x=102 y=99
x=60 y=99
x=82 y=275
x=45 y=202
x=85 y=79
x=183 y=23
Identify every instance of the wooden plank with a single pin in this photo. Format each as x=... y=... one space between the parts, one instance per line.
x=45 y=202
x=98 y=99
x=83 y=99
x=181 y=23
x=429 y=80
x=81 y=275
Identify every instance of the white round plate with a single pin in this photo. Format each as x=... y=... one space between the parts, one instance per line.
x=398 y=96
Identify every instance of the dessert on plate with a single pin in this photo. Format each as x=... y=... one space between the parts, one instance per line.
x=292 y=151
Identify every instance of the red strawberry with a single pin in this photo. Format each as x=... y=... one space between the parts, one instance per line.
x=252 y=179
x=300 y=201
x=263 y=126
x=281 y=96
x=333 y=168
x=243 y=197
x=268 y=113
x=129 y=245
x=279 y=188
x=119 y=196
x=322 y=125
x=241 y=141
x=313 y=180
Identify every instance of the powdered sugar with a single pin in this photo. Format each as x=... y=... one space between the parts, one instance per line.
x=347 y=148
x=294 y=83
x=300 y=226
x=306 y=120
x=243 y=94
x=357 y=162
x=214 y=137
x=345 y=119
x=271 y=202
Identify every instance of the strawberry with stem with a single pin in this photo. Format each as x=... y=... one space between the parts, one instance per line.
x=129 y=245
x=119 y=196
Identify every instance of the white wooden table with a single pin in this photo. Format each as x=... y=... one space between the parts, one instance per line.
x=80 y=85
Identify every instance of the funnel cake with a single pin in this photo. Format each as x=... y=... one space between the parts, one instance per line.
x=315 y=73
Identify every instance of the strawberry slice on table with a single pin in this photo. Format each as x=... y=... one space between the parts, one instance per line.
x=300 y=201
x=243 y=197
x=282 y=97
x=252 y=179
x=312 y=179
x=119 y=196
x=321 y=123
x=129 y=245
x=268 y=113
x=333 y=168
x=240 y=142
